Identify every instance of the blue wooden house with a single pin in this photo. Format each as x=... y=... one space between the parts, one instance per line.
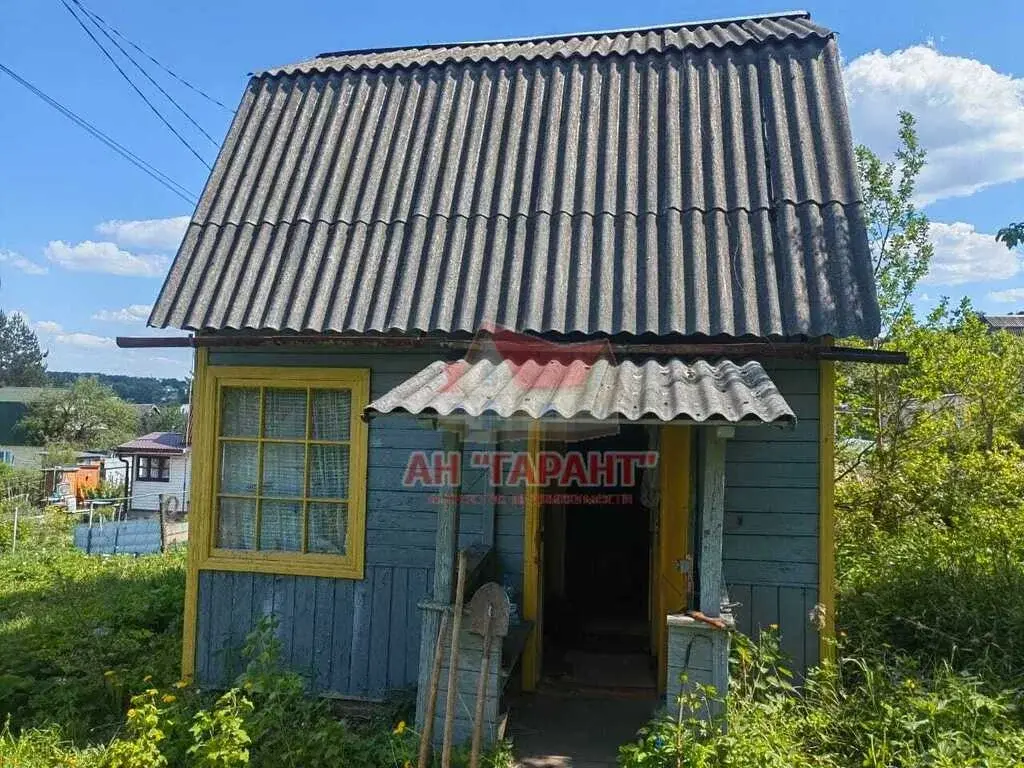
x=632 y=242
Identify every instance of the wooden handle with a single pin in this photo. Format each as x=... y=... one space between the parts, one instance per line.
x=481 y=692
x=453 y=665
x=435 y=679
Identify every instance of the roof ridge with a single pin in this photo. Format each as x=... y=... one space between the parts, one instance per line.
x=795 y=14
x=713 y=33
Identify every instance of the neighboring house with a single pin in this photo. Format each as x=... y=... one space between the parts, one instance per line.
x=1010 y=323
x=159 y=465
x=14 y=403
x=668 y=224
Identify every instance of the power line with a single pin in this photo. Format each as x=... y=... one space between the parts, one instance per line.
x=135 y=88
x=147 y=75
x=126 y=153
x=100 y=21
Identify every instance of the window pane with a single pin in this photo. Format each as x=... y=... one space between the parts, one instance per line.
x=328 y=472
x=327 y=524
x=238 y=468
x=284 y=469
x=332 y=410
x=236 y=524
x=281 y=526
x=165 y=469
x=284 y=413
x=240 y=412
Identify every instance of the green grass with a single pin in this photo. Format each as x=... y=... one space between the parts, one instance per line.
x=80 y=632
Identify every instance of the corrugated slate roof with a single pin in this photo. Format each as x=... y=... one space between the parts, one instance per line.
x=155 y=442
x=1010 y=323
x=697 y=391
x=681 y=180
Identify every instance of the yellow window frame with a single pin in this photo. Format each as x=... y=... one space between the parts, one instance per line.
x=208 y=556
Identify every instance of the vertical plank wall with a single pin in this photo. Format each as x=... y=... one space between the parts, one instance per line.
x=771 y=518
x=350 y=637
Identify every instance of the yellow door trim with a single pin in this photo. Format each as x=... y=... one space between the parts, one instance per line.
x=673 y=545
x=826 y=506
x=532 y=570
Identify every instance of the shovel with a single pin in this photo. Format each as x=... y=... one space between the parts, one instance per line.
x=488 y=616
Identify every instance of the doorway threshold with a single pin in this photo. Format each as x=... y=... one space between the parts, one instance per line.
x=553 y=728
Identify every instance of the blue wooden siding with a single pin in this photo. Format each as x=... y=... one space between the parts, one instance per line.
x=771 y=519
x=349 y=637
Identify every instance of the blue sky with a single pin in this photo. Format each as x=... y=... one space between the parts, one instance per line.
x=85 y=237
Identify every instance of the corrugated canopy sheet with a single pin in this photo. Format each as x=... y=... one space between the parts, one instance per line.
x=600 y=389
x=693 y=179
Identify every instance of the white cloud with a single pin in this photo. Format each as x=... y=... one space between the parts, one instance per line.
x=89 y=256
x=20 y=263
x=1007 y=296
x=48 y=326
x=86 y=340
x=133 y=313
x=963 y=255
x=970 y=117
x=156 y=234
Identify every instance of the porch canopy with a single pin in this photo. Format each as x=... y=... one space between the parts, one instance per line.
x=698 y=391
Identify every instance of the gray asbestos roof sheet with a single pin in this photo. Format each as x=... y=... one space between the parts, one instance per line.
x=684 y=180
x=696 y=391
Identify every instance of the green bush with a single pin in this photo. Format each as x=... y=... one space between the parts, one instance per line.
x=853 y=714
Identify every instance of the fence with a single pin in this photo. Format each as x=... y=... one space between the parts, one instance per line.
x=105 y=530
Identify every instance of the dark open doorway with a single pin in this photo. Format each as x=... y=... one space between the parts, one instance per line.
x=597 y=578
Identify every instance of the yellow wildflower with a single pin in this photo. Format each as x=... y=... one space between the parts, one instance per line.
x=147 y=678
x=109 y=673
x=773 y=626
x=169 y=698
x=400 y=728
x=181 y=684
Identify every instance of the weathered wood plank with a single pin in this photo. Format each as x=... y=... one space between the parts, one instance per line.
x=793 y=626
x=203 y=641
x=770 y=524
x=741 y=595
x=773 y=573
x=397 y=628
x=360 y=655
x=241 y=613
x=419 y=580
x=341 y=637
x=323 y=633
x=302 y=632
x=764 y=607
x=772 y=475
x=786 y=500
x=768 y=450
x=763 y=548
x=380 y=623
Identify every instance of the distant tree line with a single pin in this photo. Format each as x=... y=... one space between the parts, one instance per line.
x=133 y=389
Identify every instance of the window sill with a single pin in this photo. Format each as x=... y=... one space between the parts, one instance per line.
x=325 y=566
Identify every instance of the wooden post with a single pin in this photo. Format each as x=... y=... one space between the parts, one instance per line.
x=712 y=516
x=445 y=546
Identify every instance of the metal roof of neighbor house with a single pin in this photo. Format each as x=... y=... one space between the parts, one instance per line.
x=686 y=179
x=155 y=442
x=696 y=391
x=1010 y=323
